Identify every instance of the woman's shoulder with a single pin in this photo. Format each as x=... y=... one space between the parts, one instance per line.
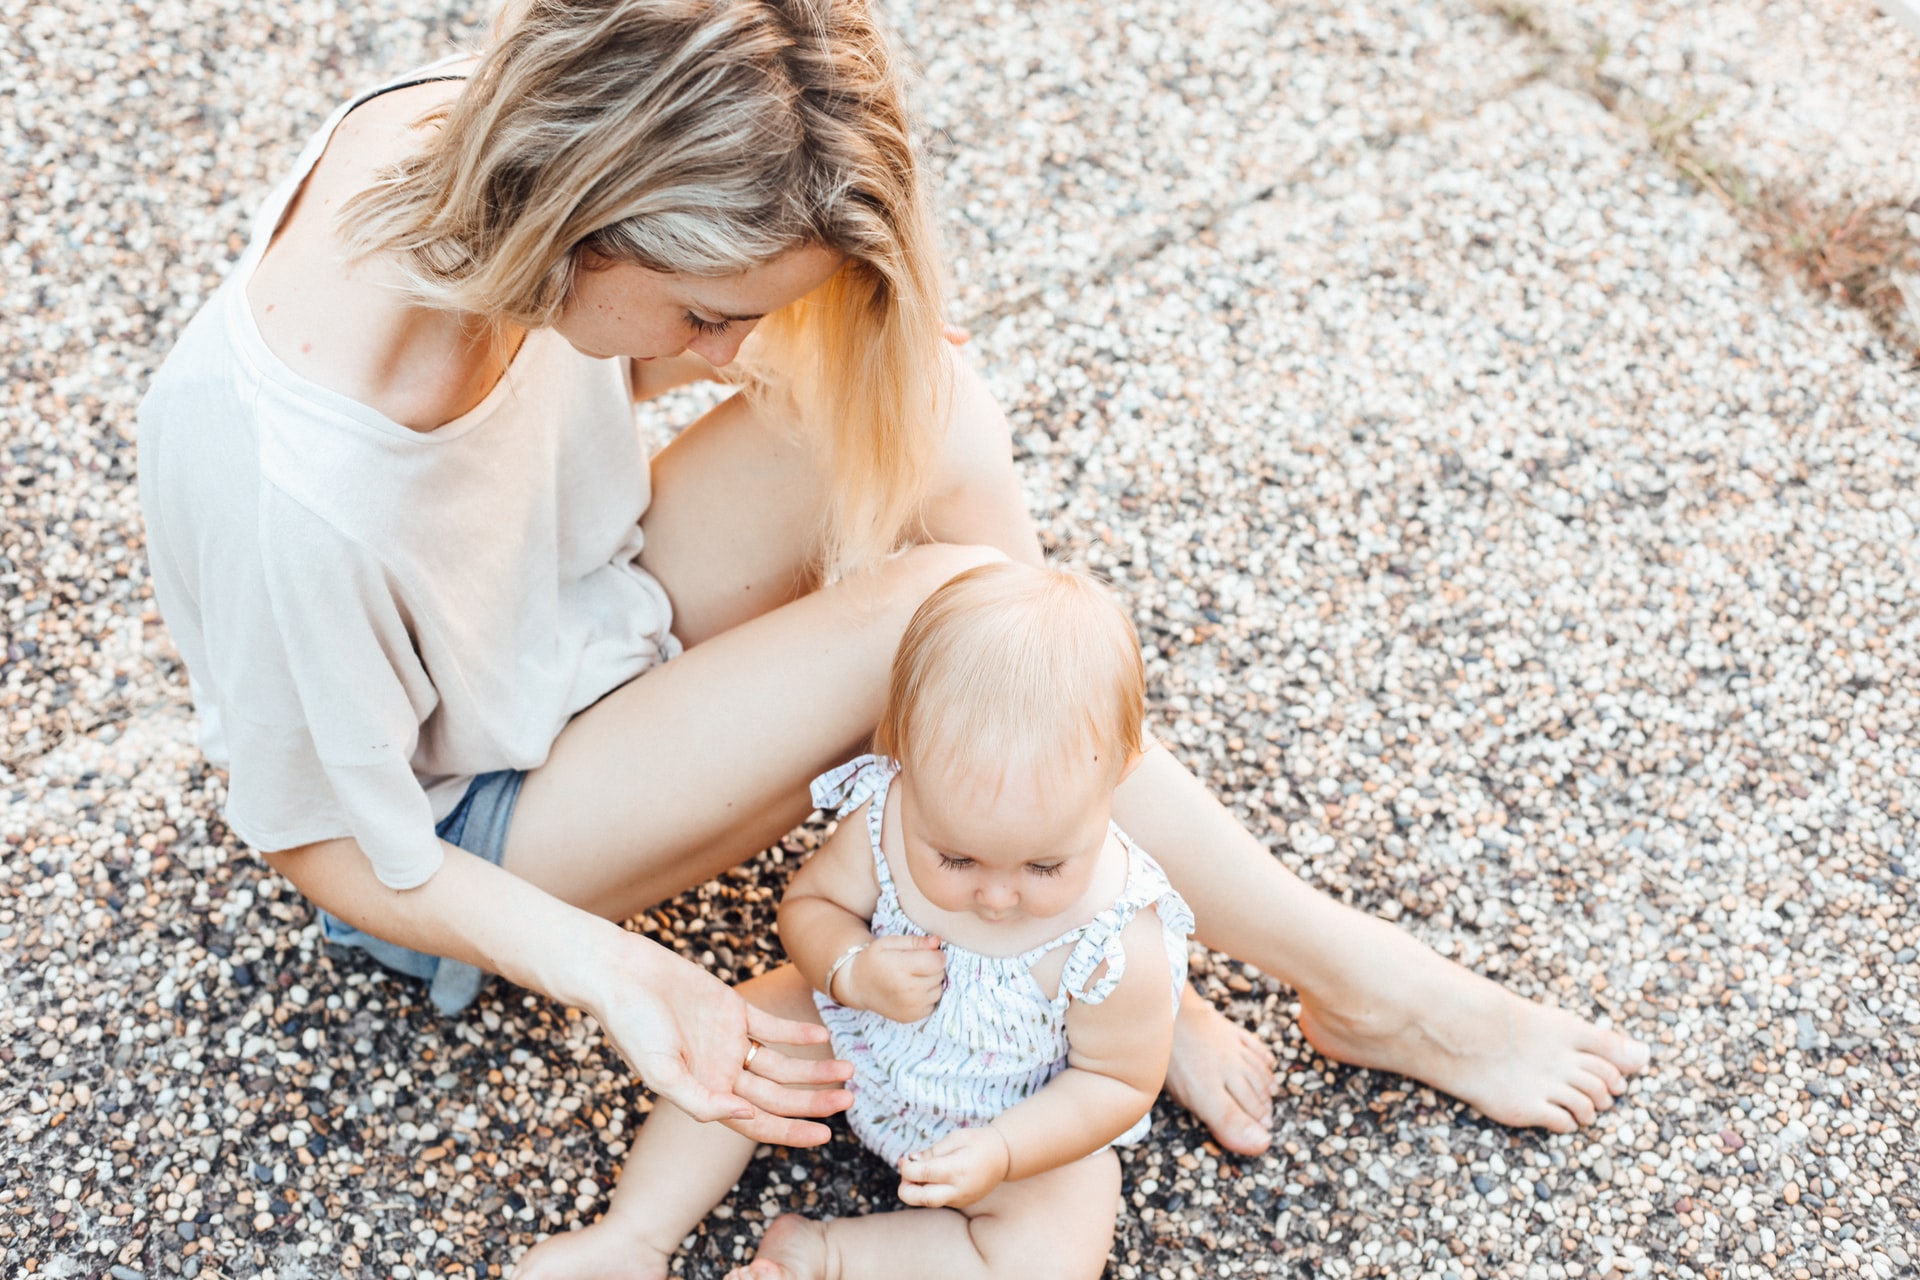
x=338 y=320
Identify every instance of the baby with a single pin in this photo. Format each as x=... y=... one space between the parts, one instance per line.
x=997 y=960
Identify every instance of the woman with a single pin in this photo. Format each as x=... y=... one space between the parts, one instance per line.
x=417 y=565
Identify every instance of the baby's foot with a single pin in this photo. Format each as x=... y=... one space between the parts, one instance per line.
x=1223 y=1074
x=603 y=1251
x=1409 y=1010
x=794 y=1248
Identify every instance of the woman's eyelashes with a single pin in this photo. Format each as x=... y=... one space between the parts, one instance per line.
x=708 y=328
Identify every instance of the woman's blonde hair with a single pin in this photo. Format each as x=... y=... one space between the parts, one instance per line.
x=704 y=137
x=1017 y=666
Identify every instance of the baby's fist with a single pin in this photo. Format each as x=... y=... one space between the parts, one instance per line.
x=957 y=1170
x=899 y=976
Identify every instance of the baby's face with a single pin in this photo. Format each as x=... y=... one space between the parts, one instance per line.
x=1006 y=845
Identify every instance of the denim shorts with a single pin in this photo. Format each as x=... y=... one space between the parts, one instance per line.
x=479 y=825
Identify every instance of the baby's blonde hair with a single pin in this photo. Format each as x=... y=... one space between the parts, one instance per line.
x=1013 y=665
x=707 y=138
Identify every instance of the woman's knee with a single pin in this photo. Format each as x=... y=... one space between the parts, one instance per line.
x=975 y=493
x=924 y=569
x=977 y=454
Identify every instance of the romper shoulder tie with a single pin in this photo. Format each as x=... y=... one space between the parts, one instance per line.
x=1100 y=942
x=840 y=791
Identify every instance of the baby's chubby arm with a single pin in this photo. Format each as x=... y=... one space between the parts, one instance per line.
x=825 y=913
x=1116 y=1063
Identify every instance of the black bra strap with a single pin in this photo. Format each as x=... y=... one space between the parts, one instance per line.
x=404 y=84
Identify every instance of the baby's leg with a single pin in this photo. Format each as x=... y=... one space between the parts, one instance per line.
x=1056 y=1225
x=678 y=1171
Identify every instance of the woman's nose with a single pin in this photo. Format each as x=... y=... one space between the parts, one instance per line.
x=720 y=348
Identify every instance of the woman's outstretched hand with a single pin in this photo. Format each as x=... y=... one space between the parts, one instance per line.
x=689 y=1036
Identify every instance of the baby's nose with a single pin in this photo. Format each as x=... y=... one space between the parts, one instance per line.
x=998 y=896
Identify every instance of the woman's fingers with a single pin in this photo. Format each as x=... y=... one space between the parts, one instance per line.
x=768 y=1029
x=783 y=1131
x=680 y=1087
x=793 y=1099
x=771 y=1064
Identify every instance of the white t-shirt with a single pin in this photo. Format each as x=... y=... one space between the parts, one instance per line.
x=372 y=615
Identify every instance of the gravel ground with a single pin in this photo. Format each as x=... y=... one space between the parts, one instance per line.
x=1520 y=559
x=1817 y=95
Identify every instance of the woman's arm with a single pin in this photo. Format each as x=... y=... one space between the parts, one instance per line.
x=683 y=1030
x=1116 y=1062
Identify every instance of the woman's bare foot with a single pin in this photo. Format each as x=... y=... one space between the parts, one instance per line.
x=1516 y=1062
x=794 y=1248
x=603 y=1251
x=1224 y=1075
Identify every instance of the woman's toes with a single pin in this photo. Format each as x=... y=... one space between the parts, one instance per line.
x=1628 y=1055
x=1595 y=1088
x=1610 y=1075
x=1576 y=1104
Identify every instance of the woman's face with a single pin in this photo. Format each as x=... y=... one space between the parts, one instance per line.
x=620 y=309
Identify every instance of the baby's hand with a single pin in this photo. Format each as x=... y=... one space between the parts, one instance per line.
x=898 y=977
x=957 y=1170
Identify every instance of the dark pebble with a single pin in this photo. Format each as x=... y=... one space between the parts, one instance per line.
x=1541 y=1191
x=190 y=1268
x=242 y=975
x=261 y=1173
x=318 y=1147
x=1176 y=1203
x=1482 y=1183
x=187 y=1230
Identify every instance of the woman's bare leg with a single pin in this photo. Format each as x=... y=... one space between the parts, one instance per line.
x=694 y=769
x=1056 y=1225
x=1370 y=994
x=678 y=1171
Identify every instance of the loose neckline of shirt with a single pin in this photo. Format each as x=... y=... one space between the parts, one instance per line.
x=267 y=364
